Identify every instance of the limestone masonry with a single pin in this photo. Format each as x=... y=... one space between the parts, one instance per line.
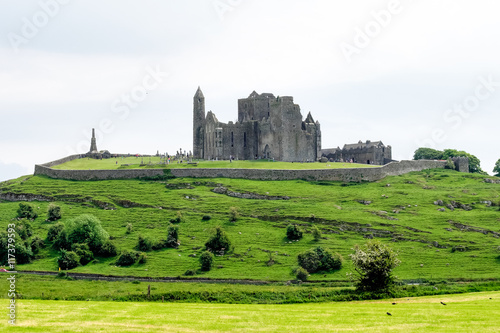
x=267 y=127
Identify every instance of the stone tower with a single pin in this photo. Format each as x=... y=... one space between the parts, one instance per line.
x=93 y=145
x=198 y=124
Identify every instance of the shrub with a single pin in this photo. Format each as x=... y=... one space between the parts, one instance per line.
x=233 y=214
x=23 y=252
x=142 y=258
x=108 y=249
x=53 y=212
x=293 y=232
x=450 y=164
x=36 y=244
x=26 y=211
x=301 y=274
x=190 y=272
x=87 y=229
x=54 y=231
x=316 y=233
x=24 y=229
x=178 y=219
x=127 y=258
x=219 y=241
x=172 y=236
x=319 y=259
x=83 y=251
x=206 y=218
x=61 y=242
x=373 y=264
x=206 y=260
x=130 y=228
x=68 y=260
x=144 y=244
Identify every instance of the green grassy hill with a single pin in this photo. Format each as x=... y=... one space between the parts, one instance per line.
x=462 y=243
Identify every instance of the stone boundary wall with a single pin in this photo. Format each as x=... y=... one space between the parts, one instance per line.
x=344 y=175
x=62 y=160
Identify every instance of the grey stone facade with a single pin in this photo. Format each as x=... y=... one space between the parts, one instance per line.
x=362 y=152
x=267 y=127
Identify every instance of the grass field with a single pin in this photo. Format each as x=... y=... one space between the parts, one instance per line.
x=402 y=215
x=476 y=312
x=156 y=162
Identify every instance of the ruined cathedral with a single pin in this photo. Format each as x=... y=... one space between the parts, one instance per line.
x=267 y=127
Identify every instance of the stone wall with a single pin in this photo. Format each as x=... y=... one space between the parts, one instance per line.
x=344 y=175
x=63 y=160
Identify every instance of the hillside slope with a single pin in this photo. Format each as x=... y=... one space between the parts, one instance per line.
x=462 y=243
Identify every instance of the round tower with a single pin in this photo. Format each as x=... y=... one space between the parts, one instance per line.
x=198 y=124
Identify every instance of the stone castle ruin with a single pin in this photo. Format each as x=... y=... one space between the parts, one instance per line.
x=272 y=127
x=362 y=152
x=267 y=127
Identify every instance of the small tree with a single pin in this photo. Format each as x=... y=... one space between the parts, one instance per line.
x=450 y=164
x=36 y=244
x=144 y=244
x=293 y=232
x=83 y=251
x=301 y=274
x=233 y=214
x=24 y=229
x=26 y=211
x=319 y=259
x=130 y=228
x=87 y=229
x=53 y=212
x=316 y=233
x=108 y=249
x=172 y=236
x=219 y=241
x=54 y=231
x=68 y=260
x=496 y=169
x=206 y=260
x=127 y=258
x=178 y=219
x=373 y=264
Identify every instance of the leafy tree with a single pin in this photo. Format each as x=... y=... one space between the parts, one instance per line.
x=233 y=214
x=316 y=233
x=496 y=169
x=68 y=259
x=373 y=264
x=83 y=251
x=130 y=228
x=319 y=259
x=53 y=212
x=206 y=260
x=172 y=236
x=36 y=244
x=54 y=231
x=61 y=242
x=293 y=232
x=219 y=241
x=474 y=162
x=87 y=229
x=178 y=219
x=108 y=249
x=144 y=244
x=427 y=154
x=26 y=211
x=127 y=258
x=23 y=229
x=301 y=274
x=142 y=258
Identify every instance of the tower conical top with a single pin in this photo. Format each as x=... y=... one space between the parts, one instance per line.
x=199 y=93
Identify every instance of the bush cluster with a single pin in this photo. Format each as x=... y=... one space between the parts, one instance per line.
x=319 y=259
x=26 y=211
x=206 y=260
x=219 y=241
x=293 y=232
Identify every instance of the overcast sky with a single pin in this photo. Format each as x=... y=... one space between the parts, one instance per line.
x=409 y=73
